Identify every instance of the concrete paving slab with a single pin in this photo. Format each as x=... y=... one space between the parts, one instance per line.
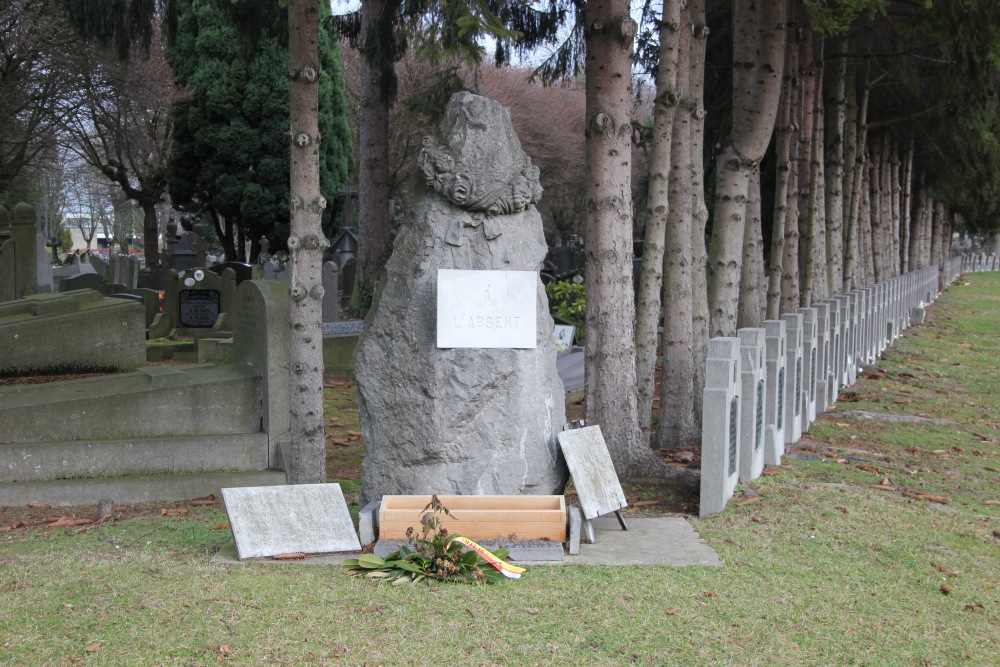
x=670 y=541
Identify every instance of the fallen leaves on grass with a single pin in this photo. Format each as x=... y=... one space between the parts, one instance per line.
x=224 y=650
x=92 y=648
x=945 y=589
x=991 y=502
x=67 y=521
x=174 y=511
x=339 y=441
x=748 y=501
x=975 y=606
x=207 y=500
x=944 y=570
x=220 y=526
x=295 y=555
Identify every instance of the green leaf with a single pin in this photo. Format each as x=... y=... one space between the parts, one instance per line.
x=370 y=562
x=350 y=564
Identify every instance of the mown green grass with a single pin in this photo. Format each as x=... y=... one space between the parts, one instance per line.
x=824 y=569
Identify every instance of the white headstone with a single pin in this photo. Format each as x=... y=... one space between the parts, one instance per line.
x=486 y=309
x=304 y=518
x=777 y=382
x=720 y=436
x=794 y=374
x=810 y=365
x=753 y=390
x=823 y=351
x=835 y=362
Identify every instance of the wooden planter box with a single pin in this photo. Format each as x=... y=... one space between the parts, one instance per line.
x=479 y=517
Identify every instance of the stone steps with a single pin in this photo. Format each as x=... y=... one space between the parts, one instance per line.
x=133 y=489
x=43 y=461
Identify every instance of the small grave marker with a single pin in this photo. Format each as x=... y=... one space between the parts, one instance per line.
x=594 y=477
x=306 y=518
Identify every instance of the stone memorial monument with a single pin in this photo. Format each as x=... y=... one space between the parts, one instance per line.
x=475 y=413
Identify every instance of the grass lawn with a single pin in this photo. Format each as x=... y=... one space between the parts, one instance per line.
x=841 y=561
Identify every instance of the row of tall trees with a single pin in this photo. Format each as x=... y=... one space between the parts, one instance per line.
x=841 y=137
x=798 y=148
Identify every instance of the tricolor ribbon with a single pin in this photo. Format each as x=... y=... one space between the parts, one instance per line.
x=506 y=569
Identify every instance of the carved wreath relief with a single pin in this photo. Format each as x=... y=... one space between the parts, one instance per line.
x=461 y=188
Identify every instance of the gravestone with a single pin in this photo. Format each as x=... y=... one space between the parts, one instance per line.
x=66 y=332
x=871 y=325
x=92 y=281
x=822 y=353
x=261 y=338
x=100 y=265
x=43 y=265
x=461 y=420
x=720 y=436
x=73 y=265
x=24 y=257
x=858 y=338
x=345 y=280
x=795 y=375
x=775 y=388
x=198 y=299
x=305 y=518
x=810 y=362
x=753 y=387
x=847 y=324
x=331 y=302
x=834 y=363
x=589 y=462
x=242 y=270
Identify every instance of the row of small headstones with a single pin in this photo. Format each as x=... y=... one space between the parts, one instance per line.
x=764 y=386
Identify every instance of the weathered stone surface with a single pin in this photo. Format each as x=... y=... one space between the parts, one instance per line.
x=460 y=420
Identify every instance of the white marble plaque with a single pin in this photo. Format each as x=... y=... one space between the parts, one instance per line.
x=487 y=309
x=272 y=520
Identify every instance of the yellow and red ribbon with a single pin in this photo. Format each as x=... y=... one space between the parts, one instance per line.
x=506 y=569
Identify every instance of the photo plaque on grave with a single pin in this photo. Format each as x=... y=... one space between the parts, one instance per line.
x=199 y=308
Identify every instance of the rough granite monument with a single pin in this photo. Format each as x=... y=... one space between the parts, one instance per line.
x=470 y=419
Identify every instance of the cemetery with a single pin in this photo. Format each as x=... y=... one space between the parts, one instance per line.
x=476 y=410
x=691 y=363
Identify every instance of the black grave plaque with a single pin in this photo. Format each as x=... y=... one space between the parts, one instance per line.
x=734 y=416
x=199 y=308
x=781 y=398
x=759 y=419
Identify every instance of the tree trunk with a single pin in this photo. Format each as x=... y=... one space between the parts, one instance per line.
x=306 y=243
x=817 y=185
x=895 y=195
x=699 y=254
x=610 y=349
x=836 y=118
x=378 y=89
x=857 y=133
x=906 y=204
x=940 y=213
x=753 y=292
x=676 y=425
x=877 y=221
x=740 y=155
x=865 y=226
x=782 y=160
x=916 y=227
x=648 y=308
x=807 y=108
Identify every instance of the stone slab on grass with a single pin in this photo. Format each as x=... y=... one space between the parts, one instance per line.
x=305 y=518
